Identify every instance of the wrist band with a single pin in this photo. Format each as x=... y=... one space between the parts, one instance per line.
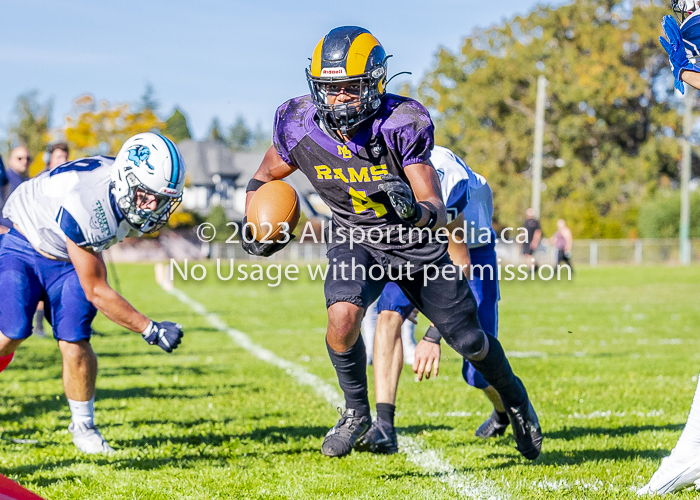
x=254 y=185
x=432 y=221
x=432 y=335
x=420 y=207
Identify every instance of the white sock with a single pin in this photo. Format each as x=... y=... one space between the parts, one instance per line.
x=369 y=325
x=82 y=412
x=688 y=446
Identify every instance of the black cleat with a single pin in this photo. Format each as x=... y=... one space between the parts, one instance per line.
x=342 y=437
x=380 y=438
x=526 y=429
x=491 y=427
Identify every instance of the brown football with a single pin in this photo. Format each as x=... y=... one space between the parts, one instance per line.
x=273 y=204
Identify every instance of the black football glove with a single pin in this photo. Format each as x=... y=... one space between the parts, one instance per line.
x=166 y=334
x=401 y=197
x=261 y=249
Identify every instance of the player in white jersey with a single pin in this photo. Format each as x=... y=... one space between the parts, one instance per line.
x=469 y=202
x=681 y=469
x=62 y=220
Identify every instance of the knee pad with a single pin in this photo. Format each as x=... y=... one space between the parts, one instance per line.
x=467 y=339
x=470 y=343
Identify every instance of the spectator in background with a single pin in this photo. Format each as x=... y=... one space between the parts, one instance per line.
x=534 y=235
x=58 y=155
x=563 y=240
x=16 y=174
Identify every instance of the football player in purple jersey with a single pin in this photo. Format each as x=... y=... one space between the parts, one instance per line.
x=367 y=153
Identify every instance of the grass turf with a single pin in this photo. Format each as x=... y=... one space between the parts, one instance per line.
x=609 y=359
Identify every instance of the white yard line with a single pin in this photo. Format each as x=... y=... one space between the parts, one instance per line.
x=431 y=461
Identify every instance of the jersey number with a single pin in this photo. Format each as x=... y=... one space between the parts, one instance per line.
x=361 y=203
x=84 y=165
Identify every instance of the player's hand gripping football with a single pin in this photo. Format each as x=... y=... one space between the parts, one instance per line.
x=675 y=47
x=166 y=334
x=260 y=248
x=401 y=196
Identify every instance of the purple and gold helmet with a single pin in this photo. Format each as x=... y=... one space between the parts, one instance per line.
x=352 y=58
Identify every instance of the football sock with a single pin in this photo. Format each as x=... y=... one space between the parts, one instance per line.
x=502 y=418
x=385 y=411
x=496 y=370
x=82 y=412
x=351 y=368
x=688 y=445
x=5 y=360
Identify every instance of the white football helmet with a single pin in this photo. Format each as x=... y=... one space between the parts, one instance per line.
x=683 y=8
x=148 y=164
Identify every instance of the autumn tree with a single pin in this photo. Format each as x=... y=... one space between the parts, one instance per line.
x=611 y=115
x=103 y=128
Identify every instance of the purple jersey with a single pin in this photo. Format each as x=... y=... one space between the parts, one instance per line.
x=347 y=175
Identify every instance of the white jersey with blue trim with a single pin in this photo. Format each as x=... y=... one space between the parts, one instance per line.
x=465 y=191
x=71 y=201
x=690 y=30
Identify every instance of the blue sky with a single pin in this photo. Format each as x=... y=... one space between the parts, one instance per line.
x=211 y=57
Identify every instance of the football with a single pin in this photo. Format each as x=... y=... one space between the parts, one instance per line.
x=272 y=205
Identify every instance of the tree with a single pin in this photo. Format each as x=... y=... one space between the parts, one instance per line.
x=217 y=217
x=611 y=114
x=176 y=126
x=262 y=139
x=660 y=216
x=31 y=126
x=103 y=129
x=239 y=135
x=148 y=99
x=215 y=131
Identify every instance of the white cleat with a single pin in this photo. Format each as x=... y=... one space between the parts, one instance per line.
x=88 y=439
x=673 y=475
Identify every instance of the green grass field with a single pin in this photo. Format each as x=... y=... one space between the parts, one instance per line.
x=609 y=359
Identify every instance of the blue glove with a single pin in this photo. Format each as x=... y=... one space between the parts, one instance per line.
x=166 y=334
x=675 y=48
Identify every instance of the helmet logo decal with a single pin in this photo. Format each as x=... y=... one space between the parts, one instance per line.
x=333 y=72
x=139 y=154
